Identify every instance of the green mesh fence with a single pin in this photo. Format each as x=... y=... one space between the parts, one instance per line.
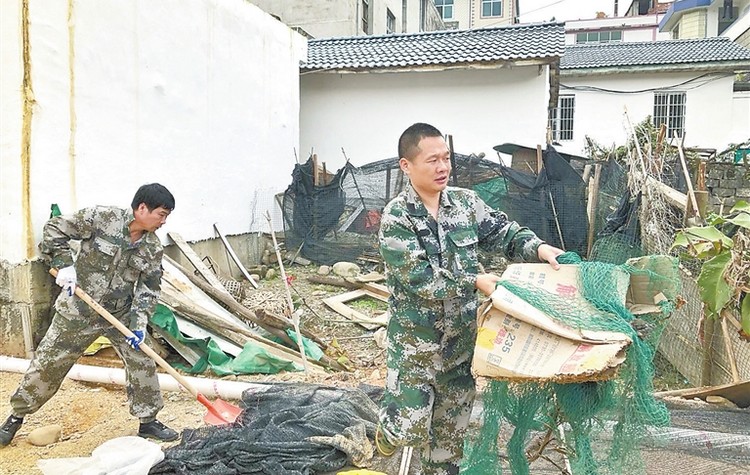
x=574 y=413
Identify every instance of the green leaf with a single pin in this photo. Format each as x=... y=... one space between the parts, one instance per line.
x=745 y=314
x=715 y=291
x=742 y=219
x=741 y=206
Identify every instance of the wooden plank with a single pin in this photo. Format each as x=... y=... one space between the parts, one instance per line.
x=195 y=259
x=234 y=257
x=738 y=393
x=338 y=304
x=675 y=198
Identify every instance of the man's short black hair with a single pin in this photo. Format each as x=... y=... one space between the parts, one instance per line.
x=408 y=143
x=153 y=196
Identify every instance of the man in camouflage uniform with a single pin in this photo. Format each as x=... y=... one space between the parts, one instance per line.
x=429 y=237
x=119 y=265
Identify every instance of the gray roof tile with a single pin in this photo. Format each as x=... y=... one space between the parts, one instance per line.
x=653 y=53
x=437 y=48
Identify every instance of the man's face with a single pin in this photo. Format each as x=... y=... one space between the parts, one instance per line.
x=150 y=220
x=430 y=168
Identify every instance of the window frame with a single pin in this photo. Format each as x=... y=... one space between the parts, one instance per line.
x=490 y=3
x=590 y=37
x=390 y=22
x=443 y=6
x=672 y=111
x=563 y=125
x=365 y=16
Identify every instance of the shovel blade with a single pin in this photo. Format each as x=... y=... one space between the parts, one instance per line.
x=221 y=413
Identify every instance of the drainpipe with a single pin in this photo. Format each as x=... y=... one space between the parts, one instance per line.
x=211 y=388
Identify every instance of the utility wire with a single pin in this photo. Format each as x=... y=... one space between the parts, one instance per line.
x=709 y=77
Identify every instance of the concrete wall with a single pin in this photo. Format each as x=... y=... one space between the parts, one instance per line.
x=202 y=96
x=709 y=120
x=693 y=25
x=365 y=113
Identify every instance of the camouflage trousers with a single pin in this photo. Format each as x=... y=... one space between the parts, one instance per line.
x=66 y=339
x=430 y=391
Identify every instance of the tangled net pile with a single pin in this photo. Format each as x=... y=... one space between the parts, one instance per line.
x=575 y=413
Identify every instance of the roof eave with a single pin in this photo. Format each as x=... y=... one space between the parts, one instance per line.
x=672 y=68
x=437 y=67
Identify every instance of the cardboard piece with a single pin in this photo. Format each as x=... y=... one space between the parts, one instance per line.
x=519 y=342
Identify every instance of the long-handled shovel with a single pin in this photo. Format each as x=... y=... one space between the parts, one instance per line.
x=219 y=412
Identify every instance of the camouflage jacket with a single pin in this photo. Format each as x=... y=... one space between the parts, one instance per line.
x=124 y=277
x=429 y=262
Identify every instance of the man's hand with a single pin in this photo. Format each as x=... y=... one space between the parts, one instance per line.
x=136 y=340
x=549 y=254
x=66 y=278
x=486 y=283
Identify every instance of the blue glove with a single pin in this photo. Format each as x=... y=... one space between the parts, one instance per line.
x=136 y=340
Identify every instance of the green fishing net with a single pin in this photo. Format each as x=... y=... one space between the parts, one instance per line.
x=598 y=425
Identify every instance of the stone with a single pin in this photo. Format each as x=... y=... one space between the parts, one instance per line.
x=324 y=270
x=720 y=401
x=270 y=274
x=255 y=277
x=346 y=269
x=46 y=435
x=743 y=192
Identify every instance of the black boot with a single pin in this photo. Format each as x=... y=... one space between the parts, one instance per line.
x=9 y=429
x=157 y=430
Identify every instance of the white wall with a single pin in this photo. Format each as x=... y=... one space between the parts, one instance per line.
x=709 y=122
x=634 y=28
x=202 y=96
x=741 y=116
x=366 y=113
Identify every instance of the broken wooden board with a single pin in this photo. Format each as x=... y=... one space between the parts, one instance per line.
x=738 y=393
x=195 y=259
x=338 y=304
x=234 y=257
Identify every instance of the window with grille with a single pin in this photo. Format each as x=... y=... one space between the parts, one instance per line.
x=599 y=36
x=669 y=109
x=445 y=7
x=390 y=21
x=562 y=118
x=366 y=16
x=492 y=8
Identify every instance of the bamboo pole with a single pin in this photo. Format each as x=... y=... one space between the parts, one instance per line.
x=294 y=315
x=729 y=349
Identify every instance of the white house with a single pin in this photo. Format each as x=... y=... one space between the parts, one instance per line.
x=484 y=87
x=686 y=84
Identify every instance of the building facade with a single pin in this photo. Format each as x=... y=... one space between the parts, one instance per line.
x=703 y=18
x=337 y=18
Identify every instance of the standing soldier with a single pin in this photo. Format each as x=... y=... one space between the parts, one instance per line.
x=119 y=265
x=429 y=237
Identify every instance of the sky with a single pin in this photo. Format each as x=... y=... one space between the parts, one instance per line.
x=562 y=10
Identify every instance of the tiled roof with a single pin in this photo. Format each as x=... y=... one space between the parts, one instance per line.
x=437 y=48
x=653 y=53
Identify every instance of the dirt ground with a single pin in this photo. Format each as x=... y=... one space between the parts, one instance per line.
x=91 y=414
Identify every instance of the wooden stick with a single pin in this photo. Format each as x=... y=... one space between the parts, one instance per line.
x=234 y=257
x=592 y=205
x=194 y=259
x=292 y=313
x=688 y=182
x=557 y=221
x=271 y=325
x=729 y=349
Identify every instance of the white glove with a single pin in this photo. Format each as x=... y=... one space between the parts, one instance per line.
x=66 y=278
